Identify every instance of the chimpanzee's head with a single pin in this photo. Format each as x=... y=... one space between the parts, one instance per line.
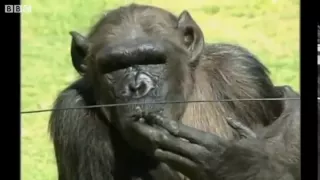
x=140 y=54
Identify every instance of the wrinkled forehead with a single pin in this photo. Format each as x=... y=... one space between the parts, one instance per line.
x=143 y=16
x=159 y=17
x=134 y=22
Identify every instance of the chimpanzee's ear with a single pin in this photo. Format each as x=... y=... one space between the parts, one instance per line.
x=79 y=49
x=193 y=36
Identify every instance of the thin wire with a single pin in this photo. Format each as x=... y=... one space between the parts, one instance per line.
x=160 y=102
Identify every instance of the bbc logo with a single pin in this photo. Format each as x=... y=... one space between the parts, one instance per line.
x=17 y=8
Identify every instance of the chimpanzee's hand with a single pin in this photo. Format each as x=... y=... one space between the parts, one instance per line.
x=138 y=134
x=192 y=152
x=241 y=129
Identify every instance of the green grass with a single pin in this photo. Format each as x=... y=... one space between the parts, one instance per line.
x=268 y=28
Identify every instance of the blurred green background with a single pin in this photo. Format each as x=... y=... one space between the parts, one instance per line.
x=269 y=28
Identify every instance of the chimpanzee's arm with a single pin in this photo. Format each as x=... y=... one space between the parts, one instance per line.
x=272 y=155
x=82 y=142
x=206 y=156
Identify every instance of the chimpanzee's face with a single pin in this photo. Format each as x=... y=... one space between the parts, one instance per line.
x=142 y=83
x=127 y=42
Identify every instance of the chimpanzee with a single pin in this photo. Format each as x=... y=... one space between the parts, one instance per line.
x=144 y=54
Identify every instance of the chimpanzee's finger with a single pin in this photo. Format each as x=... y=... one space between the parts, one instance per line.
x=189 y=150
x=243 y=130
x=177 y=162
x=191 y=134
x=144 y=136
x=148 y=137
x=157 y=138
x=155 y=118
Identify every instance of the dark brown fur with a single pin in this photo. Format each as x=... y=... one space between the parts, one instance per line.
x=89 y=147
x=221 y=75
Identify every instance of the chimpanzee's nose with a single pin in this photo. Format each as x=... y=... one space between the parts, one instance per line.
x=135 y=86
x=139 y=85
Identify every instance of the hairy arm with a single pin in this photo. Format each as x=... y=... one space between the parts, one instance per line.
x=273 y=154
x=82 y=142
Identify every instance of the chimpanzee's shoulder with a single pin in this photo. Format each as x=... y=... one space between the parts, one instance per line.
x=226 y=48
x=232 y=54
x=78 y=93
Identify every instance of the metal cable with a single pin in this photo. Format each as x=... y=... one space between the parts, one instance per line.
x=160 y=102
